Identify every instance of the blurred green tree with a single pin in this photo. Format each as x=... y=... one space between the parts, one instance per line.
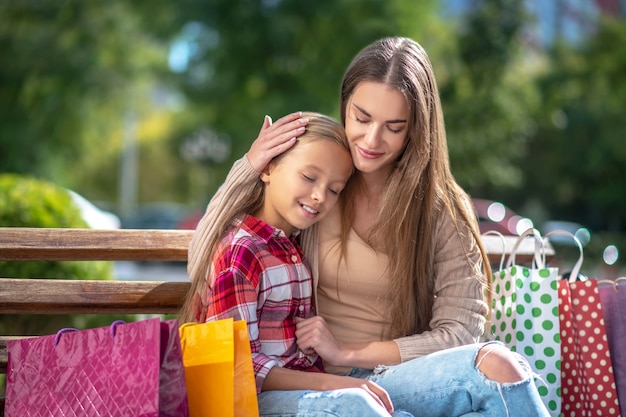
x=72 y=72
x=238 y=61
x=576 y=164
x=67 y=71
x=253 y=58
x=489 y=98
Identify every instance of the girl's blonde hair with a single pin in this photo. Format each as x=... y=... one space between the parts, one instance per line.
x=319 y=127
x=420 y=187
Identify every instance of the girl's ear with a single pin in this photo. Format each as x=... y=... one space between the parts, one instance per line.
x=265 y=174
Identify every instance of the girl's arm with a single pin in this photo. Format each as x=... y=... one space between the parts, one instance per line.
x=289 y=379
x=234 y=295
x=313 y=335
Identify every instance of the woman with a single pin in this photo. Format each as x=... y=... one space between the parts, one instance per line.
x=399 y=268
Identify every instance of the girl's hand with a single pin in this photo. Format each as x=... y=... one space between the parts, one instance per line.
x=280 y=378
x=275 y=138
x=374 y=390
x=313 y=336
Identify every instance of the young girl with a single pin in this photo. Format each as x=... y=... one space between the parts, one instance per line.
x=257 y=272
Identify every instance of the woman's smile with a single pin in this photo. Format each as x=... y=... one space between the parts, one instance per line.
x=369 y=154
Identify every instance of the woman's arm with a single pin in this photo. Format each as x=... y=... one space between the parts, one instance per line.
x=460 y=306
x=458 y=311
x=272 y=140
x=275 y=138
x=238 y=185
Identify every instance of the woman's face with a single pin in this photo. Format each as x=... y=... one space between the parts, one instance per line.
x=377 y=118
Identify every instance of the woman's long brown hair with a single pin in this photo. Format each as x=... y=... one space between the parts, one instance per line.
x=419 y=190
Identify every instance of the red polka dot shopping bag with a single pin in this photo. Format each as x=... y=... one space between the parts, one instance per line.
x=525 y=317
x=587 y=380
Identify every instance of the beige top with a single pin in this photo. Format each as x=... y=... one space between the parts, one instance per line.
x=351 y=292
x=352 y=298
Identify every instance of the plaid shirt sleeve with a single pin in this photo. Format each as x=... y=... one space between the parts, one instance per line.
x=234 y=294
x=260 y=278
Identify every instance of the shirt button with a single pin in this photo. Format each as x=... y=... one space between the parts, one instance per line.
x=301 y=308
x=294 y=258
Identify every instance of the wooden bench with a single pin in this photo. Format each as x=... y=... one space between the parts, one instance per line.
x=51 y=296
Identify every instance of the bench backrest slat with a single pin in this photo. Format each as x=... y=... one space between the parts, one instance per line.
x=45 y=296
x=27 y=244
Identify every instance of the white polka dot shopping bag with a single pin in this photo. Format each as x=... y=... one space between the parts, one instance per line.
x=587 y=379
x=525 y=316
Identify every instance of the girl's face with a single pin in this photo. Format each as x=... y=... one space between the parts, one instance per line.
x=376 y=124
x=304 y=185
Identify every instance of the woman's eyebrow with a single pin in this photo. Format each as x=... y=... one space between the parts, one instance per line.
x=362 y=110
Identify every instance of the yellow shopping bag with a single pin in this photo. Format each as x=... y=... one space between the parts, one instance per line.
x=218 y=369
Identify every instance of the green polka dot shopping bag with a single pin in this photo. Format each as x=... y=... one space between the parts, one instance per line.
x=525 y=317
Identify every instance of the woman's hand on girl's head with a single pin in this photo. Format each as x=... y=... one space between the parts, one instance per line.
x=314 y=336
x=275 y=138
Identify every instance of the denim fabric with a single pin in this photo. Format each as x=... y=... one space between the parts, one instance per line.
x=445 y=384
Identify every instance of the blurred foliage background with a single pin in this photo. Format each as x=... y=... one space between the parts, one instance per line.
x=132 y=102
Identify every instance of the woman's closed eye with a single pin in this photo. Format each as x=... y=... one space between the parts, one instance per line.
x=395 y=130
x=390 y=127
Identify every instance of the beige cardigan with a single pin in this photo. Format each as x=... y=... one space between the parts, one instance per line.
x=459 y=309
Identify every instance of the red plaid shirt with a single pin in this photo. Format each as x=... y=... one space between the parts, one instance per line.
x=260 y=277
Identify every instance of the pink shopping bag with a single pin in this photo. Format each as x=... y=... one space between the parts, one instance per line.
x=613 y=300
x=126 y=369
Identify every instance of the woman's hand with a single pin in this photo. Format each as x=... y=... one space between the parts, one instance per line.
x=275 y=138
x=314 y=336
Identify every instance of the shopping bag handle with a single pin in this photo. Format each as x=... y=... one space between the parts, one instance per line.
x=574 y=274
x=539 y=261
x=183 y=335
x=613 y=283
x=112 y=329
x=501 y=236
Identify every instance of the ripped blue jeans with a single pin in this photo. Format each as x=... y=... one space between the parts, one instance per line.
x=446 y=384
